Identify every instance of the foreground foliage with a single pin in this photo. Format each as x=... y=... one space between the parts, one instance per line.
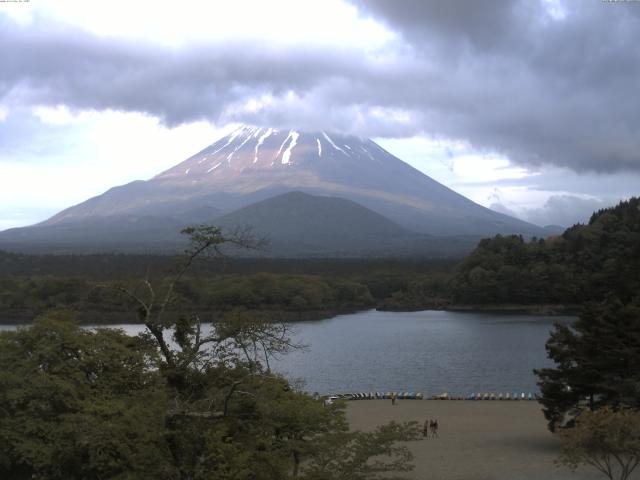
x=82 y=404
x=606 y=440
x=181 y=401
x=79 y=404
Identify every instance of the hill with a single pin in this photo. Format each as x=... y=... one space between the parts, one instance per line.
x=298 y=224
x=295 y=225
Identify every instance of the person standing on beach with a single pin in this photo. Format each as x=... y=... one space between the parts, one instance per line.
x=393 y=399
x=433 y=426
x=425 y=429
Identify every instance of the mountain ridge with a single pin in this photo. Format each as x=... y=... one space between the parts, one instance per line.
x=253 y=164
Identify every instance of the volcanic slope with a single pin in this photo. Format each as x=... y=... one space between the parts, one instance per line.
x=254 y=163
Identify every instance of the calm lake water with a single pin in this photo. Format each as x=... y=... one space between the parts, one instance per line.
x=430 y=352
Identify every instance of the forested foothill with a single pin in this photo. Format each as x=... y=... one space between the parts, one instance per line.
x=558 y=274
x=585 y=263
x=550 y=275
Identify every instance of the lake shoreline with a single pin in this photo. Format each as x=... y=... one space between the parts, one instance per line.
x=97 y=317
x=546 y=310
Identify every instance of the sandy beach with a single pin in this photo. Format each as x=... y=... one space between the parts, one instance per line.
x=481 y=440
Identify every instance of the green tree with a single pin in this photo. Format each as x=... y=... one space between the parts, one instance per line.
x=597 y=362
x=607 y=440
x=77 y=404
x=347 y=455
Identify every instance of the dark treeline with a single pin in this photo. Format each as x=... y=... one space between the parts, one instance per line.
x=286 y=289
x=586 y=263
x=130 y=265
x=22 y=298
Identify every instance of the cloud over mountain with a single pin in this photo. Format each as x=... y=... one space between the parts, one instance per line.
x=538 y=81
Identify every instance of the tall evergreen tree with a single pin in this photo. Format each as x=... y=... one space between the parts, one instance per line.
x=598 y=362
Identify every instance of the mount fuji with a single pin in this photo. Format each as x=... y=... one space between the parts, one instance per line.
x=252 y=165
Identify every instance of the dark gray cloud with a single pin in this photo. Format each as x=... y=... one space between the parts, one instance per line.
x=52 y=66
x=505 y=76
x=537 y=88
x=452 y=23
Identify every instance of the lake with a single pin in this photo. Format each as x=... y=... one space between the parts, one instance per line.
x=429 y=351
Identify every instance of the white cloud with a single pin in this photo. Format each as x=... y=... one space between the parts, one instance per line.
x=60 y=115
x=458 y=166
x=555 y=9
x=330 y=22
x=135 y=146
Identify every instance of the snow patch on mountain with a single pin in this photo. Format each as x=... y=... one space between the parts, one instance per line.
x=261 y=140
x=214 y=167
x=286 y=156
x=333 y=144
x=239 y=147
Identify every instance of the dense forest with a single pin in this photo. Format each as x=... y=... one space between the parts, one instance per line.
x=553 y=275
x=286 y=289
x=586 y=262
x=100 y=302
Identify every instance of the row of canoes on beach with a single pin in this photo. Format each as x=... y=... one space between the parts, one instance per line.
x=442 y=396
x=487 y=396
x=502 y=396
x=380 y=396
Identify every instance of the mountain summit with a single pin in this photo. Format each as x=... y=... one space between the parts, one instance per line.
x=253 y=163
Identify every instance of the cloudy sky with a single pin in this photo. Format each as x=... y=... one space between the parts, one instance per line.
x=529 y=107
